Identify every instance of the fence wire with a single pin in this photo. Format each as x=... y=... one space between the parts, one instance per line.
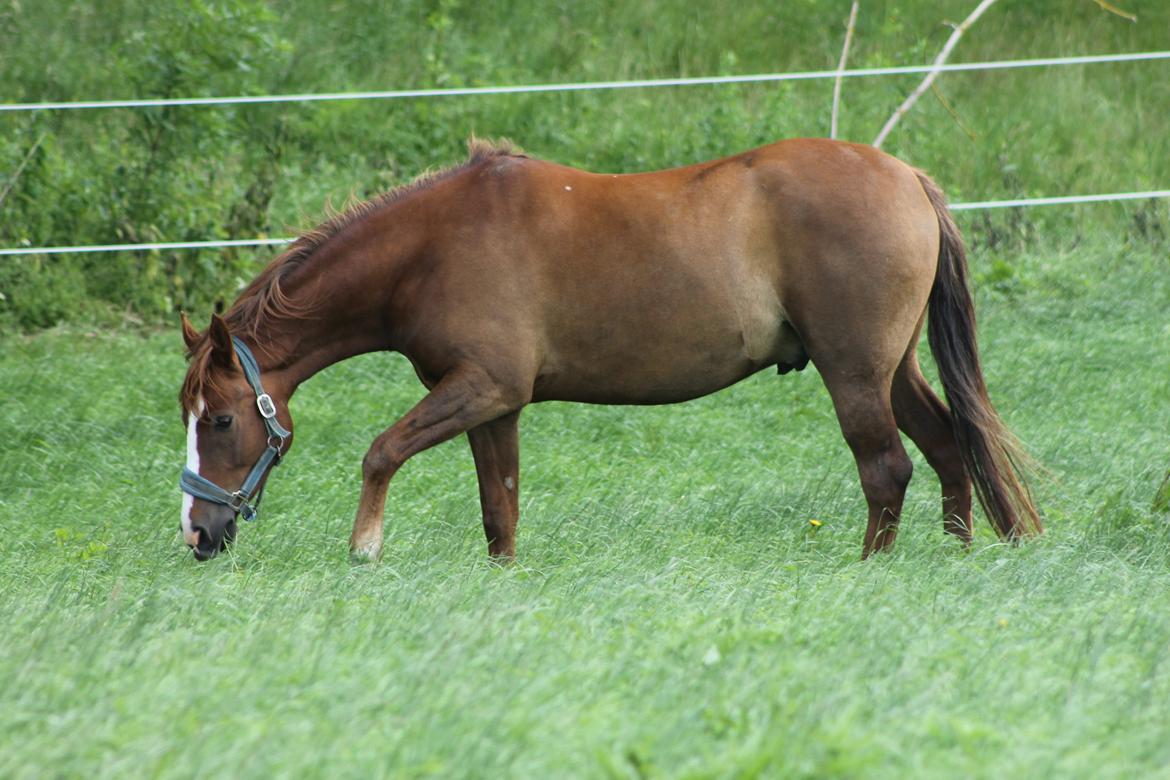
x=577 y=87
x=756 y=78
x=261 y=242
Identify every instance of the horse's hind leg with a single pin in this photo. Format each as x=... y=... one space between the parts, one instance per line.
x=927 y=421
x=862 y=402
x=495 y=446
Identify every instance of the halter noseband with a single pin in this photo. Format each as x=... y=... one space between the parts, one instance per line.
x=198 y=486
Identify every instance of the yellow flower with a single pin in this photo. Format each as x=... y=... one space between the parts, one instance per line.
x=815 y=523
x=1002 y=622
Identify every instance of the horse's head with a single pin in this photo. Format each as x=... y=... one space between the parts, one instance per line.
x=236 y=432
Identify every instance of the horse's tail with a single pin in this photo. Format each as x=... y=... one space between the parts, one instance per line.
x=992 y=456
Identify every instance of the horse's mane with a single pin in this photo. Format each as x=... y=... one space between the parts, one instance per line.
x=264 y=299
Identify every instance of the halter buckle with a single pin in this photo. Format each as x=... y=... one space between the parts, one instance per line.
x=266 y=406
x=238 y=501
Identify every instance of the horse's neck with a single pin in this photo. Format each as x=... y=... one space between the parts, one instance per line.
x=345 y=300
x=315 y=348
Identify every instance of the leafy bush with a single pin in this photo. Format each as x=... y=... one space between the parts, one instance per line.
x=155 y=174
x=198 y=173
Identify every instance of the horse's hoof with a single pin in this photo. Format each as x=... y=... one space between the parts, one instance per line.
x=360 y=556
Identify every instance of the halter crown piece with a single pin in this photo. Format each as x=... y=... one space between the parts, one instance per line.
x=198 y=486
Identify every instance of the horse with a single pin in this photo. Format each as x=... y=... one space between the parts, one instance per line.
x=507 y=280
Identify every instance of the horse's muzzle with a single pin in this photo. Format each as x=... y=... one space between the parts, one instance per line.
x=212 y=537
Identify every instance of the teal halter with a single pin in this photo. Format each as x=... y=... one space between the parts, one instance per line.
x=240 y=501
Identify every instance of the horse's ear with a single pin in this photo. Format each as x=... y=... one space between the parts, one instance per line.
x=223 y=354
x=190 y=335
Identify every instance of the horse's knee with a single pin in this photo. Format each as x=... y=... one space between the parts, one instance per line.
x=380 y=463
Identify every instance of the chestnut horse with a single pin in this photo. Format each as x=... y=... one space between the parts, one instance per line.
x=507 y=280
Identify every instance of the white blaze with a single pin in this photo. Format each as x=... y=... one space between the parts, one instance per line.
x=193 y=464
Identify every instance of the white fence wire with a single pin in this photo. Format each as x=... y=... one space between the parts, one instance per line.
x=1060 y=200
x=756 y=78
x=260 y=242
x=578 y=87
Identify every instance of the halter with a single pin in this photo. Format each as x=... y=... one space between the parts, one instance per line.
x=198 y=486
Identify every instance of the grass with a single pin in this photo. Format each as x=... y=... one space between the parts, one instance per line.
x=673 y=612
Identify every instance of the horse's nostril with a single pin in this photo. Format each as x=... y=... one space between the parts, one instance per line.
x=194 y=537
x=198 y=534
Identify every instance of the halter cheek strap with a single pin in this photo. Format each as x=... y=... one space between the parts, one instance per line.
x=196 y=485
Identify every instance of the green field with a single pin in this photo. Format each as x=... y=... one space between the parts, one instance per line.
x=673 y=611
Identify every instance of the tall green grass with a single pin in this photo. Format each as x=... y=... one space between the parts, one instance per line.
x=673 y=612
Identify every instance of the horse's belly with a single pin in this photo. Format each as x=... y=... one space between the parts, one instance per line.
x=650 y=360
x=638 y=387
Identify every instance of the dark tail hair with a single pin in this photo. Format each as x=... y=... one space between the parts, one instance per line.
x=991 y=454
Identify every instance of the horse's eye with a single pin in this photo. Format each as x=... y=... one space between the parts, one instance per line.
x=223 y=422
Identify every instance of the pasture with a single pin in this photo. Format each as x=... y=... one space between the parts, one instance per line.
x=673 y=612
x=688 y=599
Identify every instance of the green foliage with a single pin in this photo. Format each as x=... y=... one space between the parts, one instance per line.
x=156 y=174
x=38 y=293
x=199 y=173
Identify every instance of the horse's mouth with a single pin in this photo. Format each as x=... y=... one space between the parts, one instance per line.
x=206 y=554
x=206 y=547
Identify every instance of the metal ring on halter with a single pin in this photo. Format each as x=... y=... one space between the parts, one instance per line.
x=238 y=501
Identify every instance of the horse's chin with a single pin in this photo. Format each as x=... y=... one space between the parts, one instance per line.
x=204 y=555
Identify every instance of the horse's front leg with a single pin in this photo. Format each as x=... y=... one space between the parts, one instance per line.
x=495 y=446
x=463 y=399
